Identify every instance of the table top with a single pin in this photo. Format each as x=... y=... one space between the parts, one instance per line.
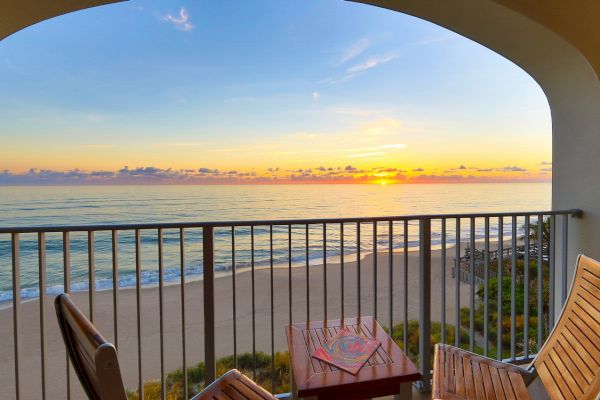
x=388 y=366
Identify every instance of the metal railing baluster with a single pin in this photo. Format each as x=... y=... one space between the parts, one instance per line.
x=375 y=269
x=342 y=270
x=472 y=285
x=253 y=303
x=443 y=282
x=540 y=279
x=307 y=273
x=290 y=272
x=272 y=309
x=325 y=272
x=552 y=268
x=405 y=288
x=234 y=299
x=42 y=294
x=91 y=275
x=290 y=297
x=183 y=322
x=425 y=303
x=163 y=388
x=67 y=289
x=208 y=284
x=115 y=284
x=565 y=259
x=457 y=326
x=499 y=272
x=358 y=266
x=138 y=298
x=391 y=275
x=526 y=288
x=513 y=289
x=486 y=283
x=16 y=289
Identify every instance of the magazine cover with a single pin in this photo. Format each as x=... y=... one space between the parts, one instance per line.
x=347 y=351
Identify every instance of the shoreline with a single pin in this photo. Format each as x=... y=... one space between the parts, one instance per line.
x=221 y=273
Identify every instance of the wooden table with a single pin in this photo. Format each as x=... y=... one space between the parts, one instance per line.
x=388 y=372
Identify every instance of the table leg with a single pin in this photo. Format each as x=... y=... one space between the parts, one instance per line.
x=405 y=392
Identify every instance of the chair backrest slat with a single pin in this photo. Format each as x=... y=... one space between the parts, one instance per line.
x=93 y=358
x=569 y=362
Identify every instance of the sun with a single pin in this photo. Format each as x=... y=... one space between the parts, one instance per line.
x=382 y=182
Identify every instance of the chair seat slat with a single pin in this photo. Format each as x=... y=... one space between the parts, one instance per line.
x=506 y=385
x=487 y=382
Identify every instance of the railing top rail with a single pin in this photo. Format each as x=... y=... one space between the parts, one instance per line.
x=275 y=222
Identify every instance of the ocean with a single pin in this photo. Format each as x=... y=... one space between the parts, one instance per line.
x=84 y=205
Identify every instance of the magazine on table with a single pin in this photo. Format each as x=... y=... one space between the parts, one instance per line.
x=347 y=351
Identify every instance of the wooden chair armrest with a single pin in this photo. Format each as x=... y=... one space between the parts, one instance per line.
x=528 y=373
x=235 y=385
x=451 y=381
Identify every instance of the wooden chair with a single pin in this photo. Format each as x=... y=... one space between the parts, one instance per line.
x=234 y=385
x=93 y=358
x=566 y=368
x=97 y=366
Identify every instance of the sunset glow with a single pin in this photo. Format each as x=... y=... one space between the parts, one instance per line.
x=309 y=92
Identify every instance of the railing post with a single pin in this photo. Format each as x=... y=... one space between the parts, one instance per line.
x=16 y=287
x=208 y=257
x=424 y=304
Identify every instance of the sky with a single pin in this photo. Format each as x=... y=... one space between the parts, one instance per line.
x=262 y=91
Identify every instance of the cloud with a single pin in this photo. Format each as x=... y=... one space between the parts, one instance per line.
x=102 y=174
x=356 y=49
x=151 y=175
x=546 y=169
x=181 y=22
x=371 y=63
x=512 y=169
x=208 y=171
x=316 y=95
x=546 y=163
x=463 y=167
x=360 y=68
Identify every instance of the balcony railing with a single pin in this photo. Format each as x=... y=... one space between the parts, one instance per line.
x=173 y=295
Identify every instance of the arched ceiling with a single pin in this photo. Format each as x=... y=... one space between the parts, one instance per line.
x=577 y=21
x=18 y=14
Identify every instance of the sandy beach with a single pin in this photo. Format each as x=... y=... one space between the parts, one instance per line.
x=127 y=335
